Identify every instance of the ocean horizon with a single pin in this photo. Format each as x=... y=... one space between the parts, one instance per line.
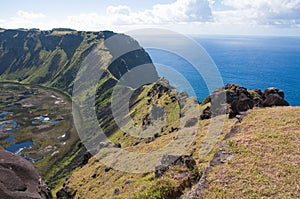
x=254 y=62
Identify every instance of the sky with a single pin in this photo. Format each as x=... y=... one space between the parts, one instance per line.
x=229 y=17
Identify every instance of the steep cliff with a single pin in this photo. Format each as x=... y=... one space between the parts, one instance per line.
x=244 y=149
x=53 y=58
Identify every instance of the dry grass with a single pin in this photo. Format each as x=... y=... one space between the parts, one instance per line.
x=265 y=163
x=266 y=158
x=144 y=185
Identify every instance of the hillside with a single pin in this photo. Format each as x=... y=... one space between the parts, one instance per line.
x=53 y=59
x=183 y=151
x=266 y=157
x=255 y=158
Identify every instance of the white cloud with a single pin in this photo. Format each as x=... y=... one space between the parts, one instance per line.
x=179 y=11
x=181 y=15
x=88 y=21
x=261 y=12
x=24 y=19
x=115 y=10
x=271 y=5
x=182 y=11
x=29 y=15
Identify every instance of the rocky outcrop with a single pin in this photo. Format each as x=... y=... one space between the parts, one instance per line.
x=19 y=179
x=170 y=160
x=206 y=114
x=240 y=99
x=274 y=97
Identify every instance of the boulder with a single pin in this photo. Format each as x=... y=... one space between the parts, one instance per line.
x=66 y=192
x=274 y=100
x=117 y=145
x=116 y=191
x=160 y=170
x=19 y=179
x=274 y=97
x=191 y=122
x=86 y=158
x=173 y=129
x=128 y=182
x=272 y=90
x=206 y=114
x=239 y=100
x=245 y=102
x=168 y=160
x=171 y=160
x=183 y=160
x=63 y=194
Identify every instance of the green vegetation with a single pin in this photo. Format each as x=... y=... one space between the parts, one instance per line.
x=53 y=140
x=264 y=163
x=264 y=155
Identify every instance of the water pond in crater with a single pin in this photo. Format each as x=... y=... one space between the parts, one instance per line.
x=36 y=123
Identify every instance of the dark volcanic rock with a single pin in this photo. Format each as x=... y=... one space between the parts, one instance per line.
x=173 y=129
x=107 y=169
x=160 y=170
x=66 y=192
x=117 y=191
x=128 y=182
x=62 y=194
x=206 y=114
x=171 y=160
x=19 y=179
x=274 y=97
x=274 y=100
x=245 y=102
x=183 y=160
x=239 y=100
x=118 y=145
x=220 y=157
x=86 y=158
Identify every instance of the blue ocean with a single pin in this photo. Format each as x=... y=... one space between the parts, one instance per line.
x=253 y=62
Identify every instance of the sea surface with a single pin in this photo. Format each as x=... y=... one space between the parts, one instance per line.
x=251 y=61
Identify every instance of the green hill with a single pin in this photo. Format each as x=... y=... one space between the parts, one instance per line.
x=53 y=59
x=255 y=155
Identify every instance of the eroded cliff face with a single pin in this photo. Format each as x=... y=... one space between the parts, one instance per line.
x=53 y=58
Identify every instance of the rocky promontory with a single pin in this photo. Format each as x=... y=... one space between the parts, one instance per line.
x=240 y=99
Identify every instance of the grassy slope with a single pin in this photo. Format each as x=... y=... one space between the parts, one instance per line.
x=52 y=58
x=246 y=175
x=143 y=184
x=266 y=158
x=266 y=155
